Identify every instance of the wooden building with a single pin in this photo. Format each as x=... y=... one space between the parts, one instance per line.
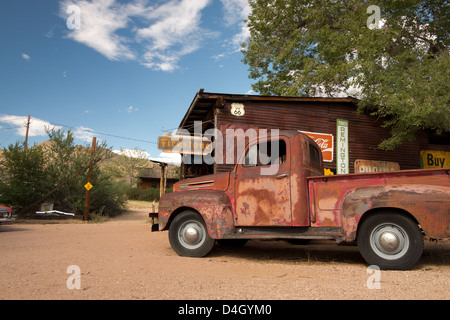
x=150 y=177
x=316 y=115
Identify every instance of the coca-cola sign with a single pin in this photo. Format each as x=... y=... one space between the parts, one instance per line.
x=325 y=142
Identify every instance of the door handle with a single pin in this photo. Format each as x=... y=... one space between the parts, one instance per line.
x=282 y=176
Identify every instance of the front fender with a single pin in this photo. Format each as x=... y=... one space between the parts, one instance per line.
x=213 y=205
x=427 y=204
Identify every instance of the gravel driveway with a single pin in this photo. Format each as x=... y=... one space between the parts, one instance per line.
x=122 y=259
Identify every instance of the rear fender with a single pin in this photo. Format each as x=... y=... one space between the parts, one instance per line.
x=213 y=205
x=427 y=204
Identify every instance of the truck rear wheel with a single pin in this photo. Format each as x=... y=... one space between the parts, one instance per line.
x=390 y=241
x=188 y=235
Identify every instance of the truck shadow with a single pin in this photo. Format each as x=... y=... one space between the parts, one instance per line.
x=281 y=251
x=320 y=251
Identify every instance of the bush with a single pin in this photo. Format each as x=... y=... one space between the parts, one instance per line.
x=57 y=173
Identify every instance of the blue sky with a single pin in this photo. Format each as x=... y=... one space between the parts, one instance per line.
x=110 y=68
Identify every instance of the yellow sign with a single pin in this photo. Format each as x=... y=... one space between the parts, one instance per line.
x=88 y=186
x=434 y=159
x=184 y=144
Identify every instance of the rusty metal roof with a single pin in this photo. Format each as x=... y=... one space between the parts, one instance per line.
x=204 y=102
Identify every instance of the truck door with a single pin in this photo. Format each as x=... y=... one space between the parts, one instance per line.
x=262 y=185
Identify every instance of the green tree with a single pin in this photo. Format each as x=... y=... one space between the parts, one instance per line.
x=68 y=168
x=57 y=172
x=23 y=175
x=393 y=56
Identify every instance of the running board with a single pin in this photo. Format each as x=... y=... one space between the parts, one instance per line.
x=285 y=233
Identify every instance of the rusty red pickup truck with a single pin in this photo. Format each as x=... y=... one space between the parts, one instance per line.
x=387 y=214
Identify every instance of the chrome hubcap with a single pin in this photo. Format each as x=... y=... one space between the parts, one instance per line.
x=191 y=234
x=389 y=241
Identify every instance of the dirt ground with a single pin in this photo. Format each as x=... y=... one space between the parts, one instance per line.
x=123 y=259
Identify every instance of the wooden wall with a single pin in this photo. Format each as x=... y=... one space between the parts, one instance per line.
x=365 y=131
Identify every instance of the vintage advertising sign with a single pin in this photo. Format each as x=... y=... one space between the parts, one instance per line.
x=325 y=142
x=184 y=144
x=342 y=161
x=434 y=159
x=364 y=166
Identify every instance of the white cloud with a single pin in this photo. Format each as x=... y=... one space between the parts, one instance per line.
x=131 y=109
x=174 y=31
x=171 y=158
x=83 y=133
x=26 y=57
x=156 y=35
x=100 y=20
x=37 y=126
x=236 y=11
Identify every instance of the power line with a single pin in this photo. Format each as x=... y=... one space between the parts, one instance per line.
x=102 y=133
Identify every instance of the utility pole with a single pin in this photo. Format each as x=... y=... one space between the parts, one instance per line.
x=26 y=134
x=88 y=185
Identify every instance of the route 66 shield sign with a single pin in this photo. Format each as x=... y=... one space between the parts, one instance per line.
x=237 y=109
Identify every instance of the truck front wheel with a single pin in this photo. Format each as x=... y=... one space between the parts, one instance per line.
x=390 y=241
x=188 y=235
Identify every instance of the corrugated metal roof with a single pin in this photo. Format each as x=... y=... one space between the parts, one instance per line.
x=204 y=102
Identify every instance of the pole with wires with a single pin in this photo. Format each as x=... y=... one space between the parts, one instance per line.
x=26 y=134
x=88 y=185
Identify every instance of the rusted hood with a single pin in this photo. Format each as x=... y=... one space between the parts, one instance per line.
x=218 y=181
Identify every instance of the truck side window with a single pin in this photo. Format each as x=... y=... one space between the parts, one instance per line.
x=265 y=153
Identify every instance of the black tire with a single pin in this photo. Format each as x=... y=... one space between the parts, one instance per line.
x=189 y=236
x=390 y=240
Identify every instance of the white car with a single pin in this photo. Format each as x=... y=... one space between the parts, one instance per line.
x=6 y=215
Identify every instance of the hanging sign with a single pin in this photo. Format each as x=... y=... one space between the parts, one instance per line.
x=184 y=144
x=342 y=166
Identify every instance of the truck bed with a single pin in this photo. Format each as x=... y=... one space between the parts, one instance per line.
x=342 y=200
